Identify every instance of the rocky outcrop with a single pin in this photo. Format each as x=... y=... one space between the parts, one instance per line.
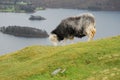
x=32 y=17
x=24 y=31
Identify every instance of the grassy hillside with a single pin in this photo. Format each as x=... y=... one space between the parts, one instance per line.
x=95 y=60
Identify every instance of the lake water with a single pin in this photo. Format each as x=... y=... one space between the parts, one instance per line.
x=107 y=24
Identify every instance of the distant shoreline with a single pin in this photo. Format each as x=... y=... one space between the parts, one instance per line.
x=11 y=11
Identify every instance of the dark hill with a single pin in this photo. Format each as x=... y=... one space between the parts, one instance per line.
x=113 y=5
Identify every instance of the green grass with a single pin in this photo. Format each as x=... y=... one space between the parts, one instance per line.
x=95 y=60
x=12 y=9
x=7 y=10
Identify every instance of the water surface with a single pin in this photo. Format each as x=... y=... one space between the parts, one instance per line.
x=107 y=24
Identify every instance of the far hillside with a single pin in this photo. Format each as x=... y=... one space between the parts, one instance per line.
x=112 y=5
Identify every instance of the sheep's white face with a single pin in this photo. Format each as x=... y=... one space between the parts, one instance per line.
x=53 y=39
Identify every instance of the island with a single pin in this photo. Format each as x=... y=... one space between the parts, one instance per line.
x=32 y=17
x=24 y=31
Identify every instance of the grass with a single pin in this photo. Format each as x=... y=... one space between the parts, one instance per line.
x=95 y=60
x=12 y=9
